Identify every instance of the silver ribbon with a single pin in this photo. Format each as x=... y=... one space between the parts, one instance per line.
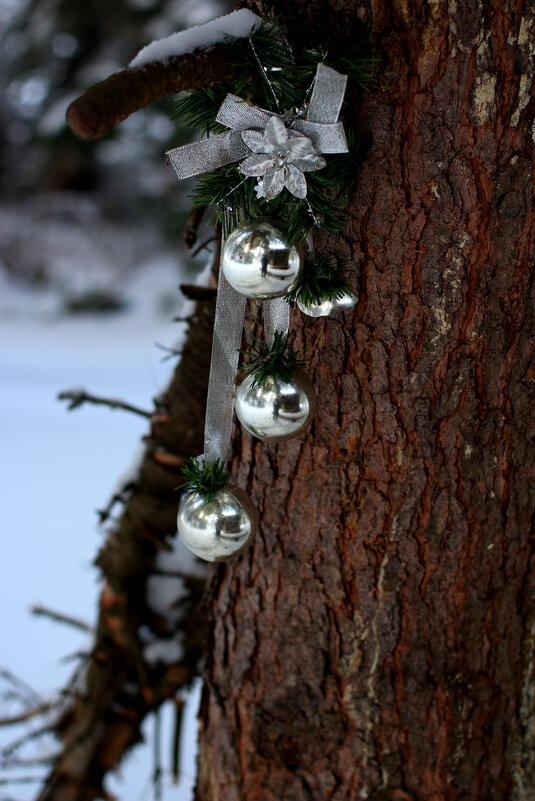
x=321 y=126
x=276 y=318
x=228 y=327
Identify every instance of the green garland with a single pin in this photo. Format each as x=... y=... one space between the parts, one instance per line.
x=322 y=278
x=279 y=359
x=206 y=479
x=276 y=77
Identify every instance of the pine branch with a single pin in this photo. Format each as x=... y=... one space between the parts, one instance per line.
x=204 y=479
x=110 y=102
x=278 y=359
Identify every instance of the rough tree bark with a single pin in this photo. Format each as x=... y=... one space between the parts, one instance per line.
x=378 y=639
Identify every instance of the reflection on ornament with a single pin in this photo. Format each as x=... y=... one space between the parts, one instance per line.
x=277 y=409
x=347 y=301
x=218 y=529
x=258 y=262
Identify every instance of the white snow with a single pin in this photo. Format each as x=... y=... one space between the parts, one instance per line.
x=163 y=594
x=163 y=650
x=236 y=25
x=180 y=560
x=58 y=467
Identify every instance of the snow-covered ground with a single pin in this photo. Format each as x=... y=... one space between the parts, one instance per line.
x=58 y=467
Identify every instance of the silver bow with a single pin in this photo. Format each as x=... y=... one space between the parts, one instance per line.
x=290 y=149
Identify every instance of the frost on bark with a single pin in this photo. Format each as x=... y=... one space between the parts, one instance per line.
x=378 y=639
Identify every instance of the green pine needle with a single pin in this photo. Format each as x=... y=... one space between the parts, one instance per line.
x=321 y=279
x=272 y=76
x=278 y=360
x=206 y=479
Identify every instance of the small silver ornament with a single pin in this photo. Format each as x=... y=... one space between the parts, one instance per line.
x=277 y=409
x=219 y=529
x=332 y=306
x=258 y=262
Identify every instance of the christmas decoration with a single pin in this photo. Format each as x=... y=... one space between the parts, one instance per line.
x=275 y=399
x=288 y=151
x=283 y=156
x=329 y=306
x=218 y=529
x=216 y=521
x=273 y=166
x=278 y=408
x=258 y=262
x=321 y=288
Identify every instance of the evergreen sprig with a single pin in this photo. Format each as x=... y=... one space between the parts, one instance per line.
x=272 y=75
x=322 y=278
x=204 y=479
x=279 y=359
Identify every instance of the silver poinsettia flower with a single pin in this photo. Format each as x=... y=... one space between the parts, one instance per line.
x=281 y=156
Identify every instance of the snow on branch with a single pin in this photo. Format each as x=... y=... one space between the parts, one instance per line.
x=237 y=25
x=190 y=59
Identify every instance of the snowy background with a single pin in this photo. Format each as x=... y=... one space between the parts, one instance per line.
x=90 y=262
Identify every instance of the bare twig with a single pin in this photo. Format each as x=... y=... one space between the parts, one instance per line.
x=119 y=497
x=157 y=772
x=171 y=353
x=204 y=245
x=175 y=754
x=14 y=745
x=192 y=225
x=110 y=102
x=25 y=716
x=59 y=617
x=20 y=780
x=77 y=397
x=22 y=691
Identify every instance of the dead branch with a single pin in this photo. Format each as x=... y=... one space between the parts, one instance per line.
x=25 y=716
x=60 y=617
x=108 y=703
x=192 y=225
x=194 y=292
x=110 y=102
x=77 y=397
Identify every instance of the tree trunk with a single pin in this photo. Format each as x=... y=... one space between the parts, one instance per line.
x=378 y=639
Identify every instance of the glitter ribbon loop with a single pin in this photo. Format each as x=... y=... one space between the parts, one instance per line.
x=321 y=126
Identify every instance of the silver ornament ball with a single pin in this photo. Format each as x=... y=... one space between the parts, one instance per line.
x=332 y=306
x=277 y=409
x=218 y=529
x=258 y=262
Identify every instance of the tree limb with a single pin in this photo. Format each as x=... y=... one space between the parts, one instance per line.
x=110 y=102
x=118 y=687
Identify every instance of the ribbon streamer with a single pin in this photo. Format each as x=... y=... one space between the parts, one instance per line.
x=276 y=318
x=321 y=126
x=228 y=327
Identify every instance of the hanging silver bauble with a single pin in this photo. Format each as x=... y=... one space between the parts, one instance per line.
x=277 y=409
x=347 y=301
x=218 y=529
x=258 y=262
